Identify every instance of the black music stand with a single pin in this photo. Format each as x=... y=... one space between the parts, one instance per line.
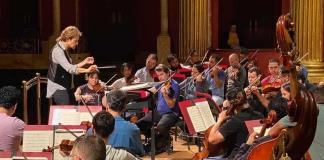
x=152 y=107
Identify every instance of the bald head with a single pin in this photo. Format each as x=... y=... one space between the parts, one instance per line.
x=234 y=59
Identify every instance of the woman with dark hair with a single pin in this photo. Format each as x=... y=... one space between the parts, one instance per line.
x=127 y=70
x=195 y=83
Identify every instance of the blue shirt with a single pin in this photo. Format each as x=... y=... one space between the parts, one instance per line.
x=217 y=91
x=162 y=106
x=125 y=136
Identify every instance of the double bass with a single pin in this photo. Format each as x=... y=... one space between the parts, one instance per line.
x=295 y=141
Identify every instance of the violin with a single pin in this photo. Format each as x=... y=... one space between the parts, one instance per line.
x=271 y=87
x=88 y=124
x=130 y=80
x=65 y=146
x=99 y=88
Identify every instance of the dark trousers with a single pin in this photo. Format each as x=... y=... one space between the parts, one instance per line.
x=163 y=122
x=61 y=97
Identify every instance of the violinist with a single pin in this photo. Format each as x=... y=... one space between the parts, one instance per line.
x=196 y=83
x=167 y=112
x=252 y=99
x=127 y=70
x=193 y=57
x=236 y=73
x=231 y=129
x=11 y=128
x=147 y=73
x=61 y=70
x=274 y=71
x=92 y=92
x=216 y=78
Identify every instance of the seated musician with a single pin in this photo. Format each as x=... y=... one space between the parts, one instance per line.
x=232 y=130
x=302 y=77
x=167 y=111
x=127 y=71
x=88 y=147
x=216 y=78
x=196 y=83
x=193 y=57
x=11 y=128
x=126 y=135
x=274 y=71
x=252 y=99
x=283 y=123
x=103 y=126
x=146 y=74
x=92 y=92
x=174 y=63
x=236 y=73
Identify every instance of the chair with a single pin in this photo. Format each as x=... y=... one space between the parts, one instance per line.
x=38 y=80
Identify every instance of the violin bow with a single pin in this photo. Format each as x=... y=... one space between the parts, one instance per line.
x=301 y=58
x=207 y=71
x=60 y=124
x=205 y=56
x=111 y=78
x=165 y=81
x=83 y=101
x=255 y=52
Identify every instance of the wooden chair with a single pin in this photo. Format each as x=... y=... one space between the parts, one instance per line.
x=38 y=80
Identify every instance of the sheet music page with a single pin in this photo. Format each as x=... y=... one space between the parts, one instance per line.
x=70 y=117
x=5 y=158
x=86 y=116
x=258 y=130
x=196 y=119
x=35 y=141
x=29 y=158
x=206 y=113
x=61 y=134
x=65 y=116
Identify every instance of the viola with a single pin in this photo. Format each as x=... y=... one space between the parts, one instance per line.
x=271 y=87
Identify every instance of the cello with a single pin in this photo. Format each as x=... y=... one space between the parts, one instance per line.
x=214 y=149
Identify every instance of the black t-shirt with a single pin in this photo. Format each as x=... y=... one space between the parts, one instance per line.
x=279 y=104
x=235 y=132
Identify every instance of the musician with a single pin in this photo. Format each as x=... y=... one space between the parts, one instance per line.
x=167 y=112
x=146 y=74
x=174 y=63
x=88 y=147
x=232 y=130
x=103 y=126
x=252 y=99
x=91 y=93
x=302 y=74
x=196 y=83
x=216 y=78
x=61 y=69
x=283 y=123
x=193 y=57
x=236 y=73
x=274 y=71
x=11 y=128
x=127 y=70
x=125 y=135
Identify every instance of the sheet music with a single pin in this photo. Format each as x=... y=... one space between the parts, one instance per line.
x=86 y=116
x=196 y=119
x=37 y=140
x=206 y=113
x=258 y=130
x=61 y=134
x=66 y=117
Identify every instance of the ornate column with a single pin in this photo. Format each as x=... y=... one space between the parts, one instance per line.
x=164 y=40
x=195 y=27
x=308 y=16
